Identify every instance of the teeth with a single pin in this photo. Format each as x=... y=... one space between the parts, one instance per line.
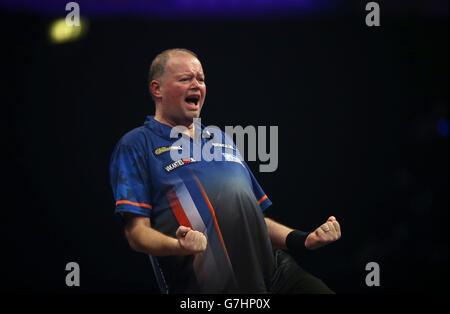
x=192 y=99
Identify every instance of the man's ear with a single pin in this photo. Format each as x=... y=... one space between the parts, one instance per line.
x=155 y=88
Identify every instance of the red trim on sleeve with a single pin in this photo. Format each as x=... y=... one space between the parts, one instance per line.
x=262 y=199
x=135 y=204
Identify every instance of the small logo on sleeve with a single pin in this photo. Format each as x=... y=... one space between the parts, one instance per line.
x=230 y=157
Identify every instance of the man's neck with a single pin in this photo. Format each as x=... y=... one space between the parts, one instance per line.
x=190 y=126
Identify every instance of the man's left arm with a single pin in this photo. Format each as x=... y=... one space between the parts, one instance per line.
x=283 y=237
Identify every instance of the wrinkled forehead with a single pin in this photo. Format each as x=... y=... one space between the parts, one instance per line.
x=181 y=62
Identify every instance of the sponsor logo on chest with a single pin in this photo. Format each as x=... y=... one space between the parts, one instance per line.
x=164 y=149
x=222 y=145
x=178 y=164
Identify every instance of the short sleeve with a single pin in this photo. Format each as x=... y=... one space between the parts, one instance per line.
x=129 y=178
x=263 y=201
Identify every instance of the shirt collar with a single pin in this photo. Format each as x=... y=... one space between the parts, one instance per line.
x=164 y=130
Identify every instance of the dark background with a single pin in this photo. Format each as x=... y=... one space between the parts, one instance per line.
x=357 y=110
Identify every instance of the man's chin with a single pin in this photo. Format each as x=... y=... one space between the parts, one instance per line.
x=188 y=117
x=191 y=115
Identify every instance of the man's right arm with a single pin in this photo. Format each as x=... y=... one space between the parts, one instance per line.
x=143 y=238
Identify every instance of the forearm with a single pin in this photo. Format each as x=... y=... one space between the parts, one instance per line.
x=277 y=233
x=150 y=241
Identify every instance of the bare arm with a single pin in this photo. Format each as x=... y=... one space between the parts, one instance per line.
x=143 y=238
x=328 y=232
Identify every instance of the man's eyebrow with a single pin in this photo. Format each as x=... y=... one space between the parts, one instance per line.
x=189 y=73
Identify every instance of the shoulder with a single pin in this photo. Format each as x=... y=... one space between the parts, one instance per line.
x=136 y=141
x=137 y=138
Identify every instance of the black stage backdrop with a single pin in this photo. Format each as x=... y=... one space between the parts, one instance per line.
x=357 y=109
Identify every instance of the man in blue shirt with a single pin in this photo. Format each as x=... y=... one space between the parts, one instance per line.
x=201 y=222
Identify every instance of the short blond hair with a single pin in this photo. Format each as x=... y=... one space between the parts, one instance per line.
x=158 y=66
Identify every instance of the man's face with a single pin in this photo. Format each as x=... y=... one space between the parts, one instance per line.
x=183 y=89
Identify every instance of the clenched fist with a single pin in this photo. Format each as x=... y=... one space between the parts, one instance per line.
x=329 y=232
x=190 y=240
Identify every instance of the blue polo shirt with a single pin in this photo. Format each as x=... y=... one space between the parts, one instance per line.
x=220 y=198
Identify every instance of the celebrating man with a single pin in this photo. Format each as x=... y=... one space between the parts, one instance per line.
x=202 y=222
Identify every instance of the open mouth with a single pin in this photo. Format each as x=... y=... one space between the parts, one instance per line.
x=192 y=100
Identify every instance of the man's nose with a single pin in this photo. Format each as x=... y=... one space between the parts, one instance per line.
x=195 y=83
